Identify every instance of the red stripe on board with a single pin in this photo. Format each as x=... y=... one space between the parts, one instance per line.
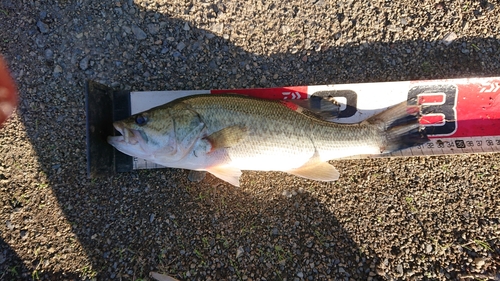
x=478 y=109
x=290 y=105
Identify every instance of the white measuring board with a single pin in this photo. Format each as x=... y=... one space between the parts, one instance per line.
x=459 y=115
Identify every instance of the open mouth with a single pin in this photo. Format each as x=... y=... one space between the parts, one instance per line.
x=128 y=136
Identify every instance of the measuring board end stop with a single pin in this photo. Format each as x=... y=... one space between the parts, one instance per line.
x=103 y=105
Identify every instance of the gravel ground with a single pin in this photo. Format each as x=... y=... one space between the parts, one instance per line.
x=429 y=218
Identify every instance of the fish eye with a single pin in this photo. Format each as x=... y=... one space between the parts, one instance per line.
x=141 y=120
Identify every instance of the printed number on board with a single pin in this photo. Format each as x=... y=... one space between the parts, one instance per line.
x=438 y=107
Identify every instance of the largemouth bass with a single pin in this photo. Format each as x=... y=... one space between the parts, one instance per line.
x=225 y=134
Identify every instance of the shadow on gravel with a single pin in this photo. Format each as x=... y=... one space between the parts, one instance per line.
x=12 y=267
x=130 y=224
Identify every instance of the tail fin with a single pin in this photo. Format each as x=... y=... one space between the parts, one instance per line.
x=400 y=127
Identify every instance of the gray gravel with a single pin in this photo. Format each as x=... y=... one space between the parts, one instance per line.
x=430 y=218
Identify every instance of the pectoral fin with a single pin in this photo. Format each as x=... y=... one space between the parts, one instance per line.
x=230 y=174
x=227 y=137
x=315 y=170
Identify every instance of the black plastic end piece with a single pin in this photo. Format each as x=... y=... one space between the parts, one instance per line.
x=103 y=105
x=121 y=110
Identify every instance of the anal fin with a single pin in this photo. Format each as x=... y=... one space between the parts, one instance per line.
x=316 y=170
x=227 y=173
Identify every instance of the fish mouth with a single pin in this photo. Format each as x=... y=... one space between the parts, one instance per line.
x=129 y=136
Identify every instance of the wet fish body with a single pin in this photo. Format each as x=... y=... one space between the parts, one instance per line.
x=225 y=134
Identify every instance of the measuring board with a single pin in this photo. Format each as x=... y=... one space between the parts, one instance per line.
x=459 y=115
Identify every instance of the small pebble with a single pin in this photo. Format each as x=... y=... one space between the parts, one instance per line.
x=9 y=225
x=239 y=252
x=84 y=63
x=217 y=28
x=479 y=262
x=153 y=28
x=428 y=248
x=399 y=269
x=139 y=33
x=181 y=46
x=49 y=55
x=449 y=38
x=43 y=27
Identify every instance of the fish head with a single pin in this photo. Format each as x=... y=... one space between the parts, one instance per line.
x=164 y=134
x=146 y=135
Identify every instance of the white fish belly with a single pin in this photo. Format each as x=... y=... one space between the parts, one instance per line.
x=271 y=154
x=332 y=154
